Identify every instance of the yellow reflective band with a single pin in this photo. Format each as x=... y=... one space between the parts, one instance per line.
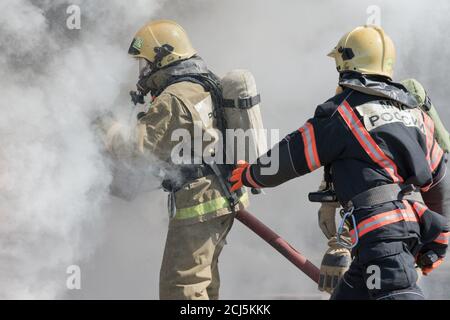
x=206 y=207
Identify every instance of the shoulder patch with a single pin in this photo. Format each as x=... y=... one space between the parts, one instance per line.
x=378 y=113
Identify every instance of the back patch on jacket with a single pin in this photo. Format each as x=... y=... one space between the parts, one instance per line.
x=378 y=113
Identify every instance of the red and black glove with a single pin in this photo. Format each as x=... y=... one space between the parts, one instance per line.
x=431 y=256
x=428 y=261
x=238 y=175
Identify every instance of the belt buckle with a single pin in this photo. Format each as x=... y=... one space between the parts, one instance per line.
x=408 y=189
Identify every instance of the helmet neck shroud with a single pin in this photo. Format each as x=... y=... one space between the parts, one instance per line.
x=161 y=78
x=378 y=85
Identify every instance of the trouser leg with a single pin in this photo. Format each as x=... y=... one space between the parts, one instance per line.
x=189 y=268
x=412 y=293
x=213 y=288
x=396 y=278
x=351 y=286
x=391 y=276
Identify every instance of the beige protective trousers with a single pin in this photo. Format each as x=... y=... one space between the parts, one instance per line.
x=189 y=269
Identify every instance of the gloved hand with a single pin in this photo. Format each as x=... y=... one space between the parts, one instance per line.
x=108 y=129
x=428 y=269
x=432 y=254
x=120 y=141
x=327 y=218
x=335 y=263
x=237 y=175
x=429 y=261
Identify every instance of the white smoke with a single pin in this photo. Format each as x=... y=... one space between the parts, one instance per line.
x=53 y=178
x=54 y=204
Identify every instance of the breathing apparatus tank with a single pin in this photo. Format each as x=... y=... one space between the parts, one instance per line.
x=246 y=137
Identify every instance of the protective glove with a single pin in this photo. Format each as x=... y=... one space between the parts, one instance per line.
x=109 y=130
x=119 y=140
x=327 y=218
x=428 y=269
x=433 y=253
x=335 y=263
x=429 y=261
x=238 y=174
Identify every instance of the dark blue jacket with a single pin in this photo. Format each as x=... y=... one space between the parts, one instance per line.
x=371 y=134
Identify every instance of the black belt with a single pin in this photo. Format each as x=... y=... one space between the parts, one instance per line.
x=383 y=194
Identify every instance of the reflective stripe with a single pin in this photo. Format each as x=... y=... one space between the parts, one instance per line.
x=429 y=134
x=367 y=143
x=206 y=207
x=434 y=150
x=383 y=219
x=420 y=209
x=442 y=238
x=436 y=156
x=309 y=142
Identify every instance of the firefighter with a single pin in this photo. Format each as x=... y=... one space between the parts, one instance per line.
x=380 y=150
x=183 y=97
x=337 y=258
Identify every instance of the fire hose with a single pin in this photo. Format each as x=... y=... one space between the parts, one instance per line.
x=281 y=245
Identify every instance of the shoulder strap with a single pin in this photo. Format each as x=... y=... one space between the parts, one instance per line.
x=211 y=83
x=366 y=141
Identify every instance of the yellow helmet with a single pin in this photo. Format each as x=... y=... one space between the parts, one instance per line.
x=366 y=49
x=161 y=43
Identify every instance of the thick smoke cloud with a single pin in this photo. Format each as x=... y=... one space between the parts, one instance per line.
x=53 y=178
x=54 y=207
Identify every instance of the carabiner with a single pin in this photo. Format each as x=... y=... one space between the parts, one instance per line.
x=341 y=230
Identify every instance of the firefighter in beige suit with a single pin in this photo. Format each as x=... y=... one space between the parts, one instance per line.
x=201 y=214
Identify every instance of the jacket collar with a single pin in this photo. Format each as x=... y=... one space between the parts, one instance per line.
x=378 y=86
x=162 y=78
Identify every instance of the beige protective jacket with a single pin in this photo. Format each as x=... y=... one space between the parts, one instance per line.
x=182 y=108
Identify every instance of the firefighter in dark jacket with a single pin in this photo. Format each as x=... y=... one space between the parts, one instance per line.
x=337 y=258
x=380 y=150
